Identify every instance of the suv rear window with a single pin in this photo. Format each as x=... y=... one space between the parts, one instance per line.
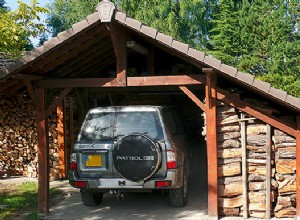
x=101 y=126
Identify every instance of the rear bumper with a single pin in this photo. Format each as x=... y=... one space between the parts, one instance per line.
x=105 y=184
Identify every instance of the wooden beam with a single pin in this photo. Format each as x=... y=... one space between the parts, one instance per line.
x=43 y=152
x=249 y=108
x=298 y=167
x=58 y=100
x=244 y=166
x=71 y=109
x=193 y=97
x=268 y=171
x=178 y=80
x=78 y=83
x=30 y=91
x=61 y=141
x=119 y=38
x=211 y=143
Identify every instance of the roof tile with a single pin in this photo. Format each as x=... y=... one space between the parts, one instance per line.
x=263 y=86
x=196 y=54
x=149 y=31
x=277 y=93
x=245 y=77
x=229 y=70
x=182 y=47
x=120 y=16
x=164 y=38
x=293 y=101
x=213 y=62
x=49 y=44
x=79 y=26
x=62 y=36
x=135 y=24
x=93 y=18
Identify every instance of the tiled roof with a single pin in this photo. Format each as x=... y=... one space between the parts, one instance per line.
x=246 y=79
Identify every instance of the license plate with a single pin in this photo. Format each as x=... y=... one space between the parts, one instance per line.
x=93 y=160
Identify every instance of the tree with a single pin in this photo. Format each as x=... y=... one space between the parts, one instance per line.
x=260 y=37
x=16 y=26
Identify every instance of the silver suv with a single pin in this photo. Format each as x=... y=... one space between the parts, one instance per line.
x=131 y=148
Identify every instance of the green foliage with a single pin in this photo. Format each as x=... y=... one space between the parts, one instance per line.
x=17 y=26
x=260 y=37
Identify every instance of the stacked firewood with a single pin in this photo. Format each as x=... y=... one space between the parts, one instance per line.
x=285 y=158
x=18 y=138
x=256 y=168
x=229 y=161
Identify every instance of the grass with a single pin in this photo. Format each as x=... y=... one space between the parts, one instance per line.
x=21 y=200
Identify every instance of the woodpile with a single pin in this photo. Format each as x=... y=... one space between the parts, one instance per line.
x=18 y=139
x=285 y=158
x=229 y=161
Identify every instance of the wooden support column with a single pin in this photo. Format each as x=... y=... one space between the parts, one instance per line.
x=43 y=152
x=119 y=41
x=211 y=143
x=268 y=171
x=61 y=142
x=298 y=167
x=244 y=166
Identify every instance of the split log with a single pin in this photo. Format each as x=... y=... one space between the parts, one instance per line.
x=283 y=139
x=233 y=202
x=260 y=197
x=229 y=169
x=228 y=135
x=228 y=211
x=230 y=180
x=230 y=153
x=286 y=213
x=287 y=186
x=284 y=166
x=230 y=190
x=229 y=160
x=286 y=152
x=229 y=128
x=256 y=129
x=256 y=140
x=260 y=170
x=229 y=144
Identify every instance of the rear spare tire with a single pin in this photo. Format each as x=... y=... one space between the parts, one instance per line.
x=137 y=157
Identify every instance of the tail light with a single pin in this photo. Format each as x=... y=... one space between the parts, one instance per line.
x=163 y=184
x=73 y=161
x=79 y=184
x=171 y=160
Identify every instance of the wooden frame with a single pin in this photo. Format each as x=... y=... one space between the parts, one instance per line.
x=298 y=167
x=211 y=143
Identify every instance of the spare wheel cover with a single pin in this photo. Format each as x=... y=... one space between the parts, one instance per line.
x=136 y=157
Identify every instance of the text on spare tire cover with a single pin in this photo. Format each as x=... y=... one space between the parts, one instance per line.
x=135 y=158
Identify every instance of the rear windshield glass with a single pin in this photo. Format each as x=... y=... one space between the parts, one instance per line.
x=103 y=126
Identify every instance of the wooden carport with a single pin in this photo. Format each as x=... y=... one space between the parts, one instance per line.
x=79 y=58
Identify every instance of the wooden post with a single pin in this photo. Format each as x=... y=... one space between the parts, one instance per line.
x=211 y=143
x=244 y=166
x=43 y=152
x=61 y=142
x=298 y=167
x=268 y=171
x=71 y=109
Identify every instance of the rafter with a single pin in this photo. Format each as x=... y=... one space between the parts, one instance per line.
x=249 y=108
x=58 y=100
x=193 y=97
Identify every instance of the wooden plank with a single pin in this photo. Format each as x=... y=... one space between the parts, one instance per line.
x=176 y=80
x=30 y=90
x=244 y=166
x=249 y=108
x=119 y=38
x=78 y=83
x=211 y=143
x=298 y=167
x=268 y=171
x=71 y=109
x=61 y=142
x=58 y=100
x=193 y=97
x=43 y=152
x=67 y=152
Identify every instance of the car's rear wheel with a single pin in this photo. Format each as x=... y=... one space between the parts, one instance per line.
x=178 y=197
x=90 y=198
